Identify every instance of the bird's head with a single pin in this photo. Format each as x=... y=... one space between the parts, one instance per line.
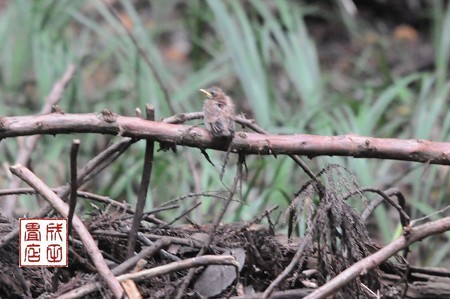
x=214 y=93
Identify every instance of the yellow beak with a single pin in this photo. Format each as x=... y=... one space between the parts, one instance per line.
x=208 y=94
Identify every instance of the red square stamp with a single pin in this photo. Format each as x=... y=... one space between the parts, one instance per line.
x=43 y=242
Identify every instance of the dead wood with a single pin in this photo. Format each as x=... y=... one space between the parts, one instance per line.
x=249 y=143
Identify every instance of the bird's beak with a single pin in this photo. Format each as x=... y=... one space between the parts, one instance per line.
x=208 y=94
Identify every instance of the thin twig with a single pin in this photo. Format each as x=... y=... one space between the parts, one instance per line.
x=147 y=60
x=162 y=253
x=404 y=218
x=188 y=277
x=91 y=248
x=84 y=262
x=106 y=157
x=197 y=183
x=160 y=209
x=146 y=253
x=109 y=157
x=174 y=240
x=58 y=89
x=252 y=125
x=116 y=149
x=73 y=182
x=288 y=294
x=292 y=265
x=416 y=234
x=194 y=195
x=7 y=207
x=225 y=160
x=181 y=265
x=373 y=204
x=143 y=188
x=184 y=213
x=178 y=118
x=256 y=220
x=20 y=191
x=427 y=217
x=103 y=199
x=153 y=211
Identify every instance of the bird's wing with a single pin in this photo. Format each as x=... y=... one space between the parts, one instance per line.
x=213 y=119
x=217 y=127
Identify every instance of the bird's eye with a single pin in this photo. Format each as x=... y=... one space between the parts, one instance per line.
x=213 y=93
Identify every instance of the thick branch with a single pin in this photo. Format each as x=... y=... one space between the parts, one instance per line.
x=249 y=143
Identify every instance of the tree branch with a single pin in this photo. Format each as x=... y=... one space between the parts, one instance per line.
x=143 y=188
x=91 y=248
x=249 y=143
x=370 y=262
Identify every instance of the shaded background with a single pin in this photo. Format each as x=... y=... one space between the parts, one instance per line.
x=376 y=69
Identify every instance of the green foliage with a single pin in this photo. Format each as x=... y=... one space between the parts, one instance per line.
x=241 y=44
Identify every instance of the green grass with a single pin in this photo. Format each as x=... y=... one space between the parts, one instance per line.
x=263 y=55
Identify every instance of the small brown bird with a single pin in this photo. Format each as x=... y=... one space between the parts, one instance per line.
x=219 y=113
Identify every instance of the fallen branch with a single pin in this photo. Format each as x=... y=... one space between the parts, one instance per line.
x=91 y=248
x=248 y=143
x=161 y=270
x=370 y=262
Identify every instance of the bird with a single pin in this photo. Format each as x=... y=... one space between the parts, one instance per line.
x=219 y=113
